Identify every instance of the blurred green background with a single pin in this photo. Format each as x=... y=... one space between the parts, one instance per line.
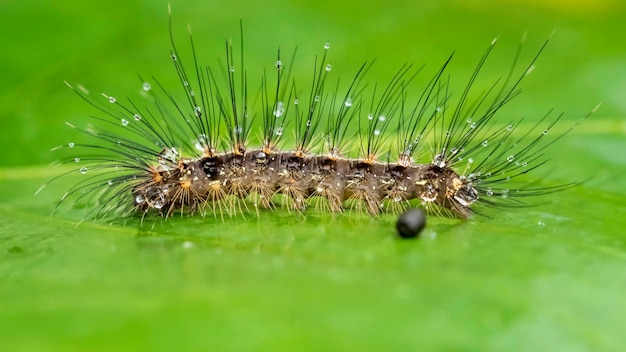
x=542 y=278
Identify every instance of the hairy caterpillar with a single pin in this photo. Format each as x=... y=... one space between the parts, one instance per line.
x=197 y=152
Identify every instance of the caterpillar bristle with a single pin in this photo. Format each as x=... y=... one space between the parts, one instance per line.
x=217 y=152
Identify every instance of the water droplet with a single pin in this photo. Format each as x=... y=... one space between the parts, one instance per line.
x=485 y=143
x=174 y=58
x=279 y=64
x=280 y=109
x=470 y=160
x=510 y=158
x=473 y=125
x=146 y=86
x=440 y=160
x=381 y=118
x=509 y=127
x=185 y=83
x=376 y=132
x=524 y=164
x=71 y=144
x=137 y=117
x=327 y=45
x=317 y=98
x=83 y=170
x=370 y=116
x=168 y=155
x=438 y=109
x=110 y=182
x=124 y=122
x=139 y=199
x=545 y=132
x=232 y=69
x=77 y=160
x=295 y=101
x=348 y=102
x=489 y=192
x=329 y=67
x=279 y=131
x=112 y=100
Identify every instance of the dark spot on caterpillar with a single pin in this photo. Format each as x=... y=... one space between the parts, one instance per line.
x=210 y=167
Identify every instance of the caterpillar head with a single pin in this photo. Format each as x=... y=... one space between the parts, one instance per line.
x=442 y=186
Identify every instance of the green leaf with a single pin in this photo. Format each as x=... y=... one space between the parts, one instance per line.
x=549 y=277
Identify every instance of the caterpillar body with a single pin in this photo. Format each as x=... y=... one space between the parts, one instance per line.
x=196 y=152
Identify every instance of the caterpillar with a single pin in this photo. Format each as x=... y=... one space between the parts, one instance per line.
x=219 y=145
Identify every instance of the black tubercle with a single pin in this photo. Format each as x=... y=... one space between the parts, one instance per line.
x=211 y=167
